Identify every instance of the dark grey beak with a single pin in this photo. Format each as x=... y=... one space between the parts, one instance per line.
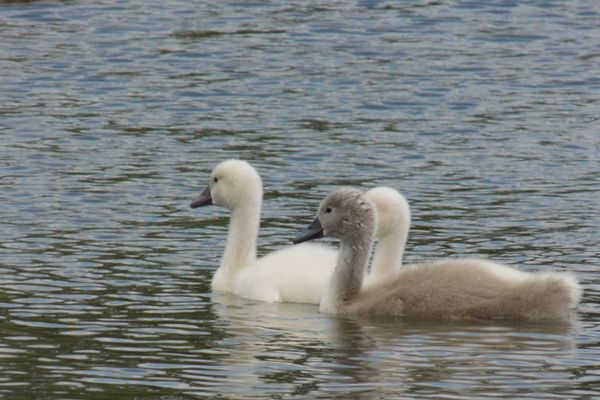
x=204 y=199
x=314 y=231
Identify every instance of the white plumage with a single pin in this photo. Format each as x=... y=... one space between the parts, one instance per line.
x=393 y=224
x=292 y=274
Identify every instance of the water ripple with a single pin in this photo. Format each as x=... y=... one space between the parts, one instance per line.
x=484 y=114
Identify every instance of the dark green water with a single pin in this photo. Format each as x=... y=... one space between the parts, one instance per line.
x=112 y=114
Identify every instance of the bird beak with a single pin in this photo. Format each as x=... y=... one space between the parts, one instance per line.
x=314 y=231
x=205 y=199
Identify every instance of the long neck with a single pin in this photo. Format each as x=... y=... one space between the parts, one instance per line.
x=348 y=275
x=389 y=253
x=240 y=249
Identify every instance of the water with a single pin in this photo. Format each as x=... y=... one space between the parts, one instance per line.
x=112 y=114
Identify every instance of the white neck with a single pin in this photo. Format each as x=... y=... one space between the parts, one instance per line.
x=240 y=249
x=389 y=252
x=346 y=281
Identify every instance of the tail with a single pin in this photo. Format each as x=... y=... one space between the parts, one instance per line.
x=552 y=295
x=573 y=287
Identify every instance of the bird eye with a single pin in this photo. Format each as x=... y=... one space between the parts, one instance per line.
x=215 y=179
x=328 y=210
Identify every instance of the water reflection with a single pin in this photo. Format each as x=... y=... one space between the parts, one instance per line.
x=361 y=356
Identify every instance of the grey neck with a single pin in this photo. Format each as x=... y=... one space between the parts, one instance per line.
x=349 y=272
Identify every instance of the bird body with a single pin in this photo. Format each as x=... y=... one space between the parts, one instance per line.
x=449 y=289
x=293 y=273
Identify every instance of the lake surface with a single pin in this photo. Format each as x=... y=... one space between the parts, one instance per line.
x=485 y=114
